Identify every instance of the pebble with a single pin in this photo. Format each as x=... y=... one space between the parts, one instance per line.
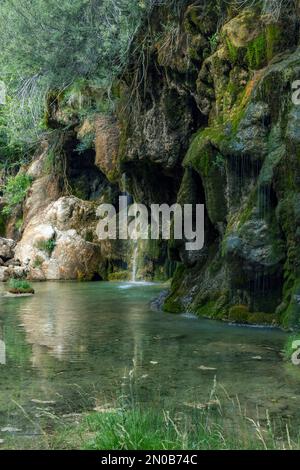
x=206 y=368
x=42 y=402
x=10 y=429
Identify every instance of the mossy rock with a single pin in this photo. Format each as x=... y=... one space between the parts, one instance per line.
x=261 y=318
x=239 y=314
x=172 y=305
x=119 y=276
x=210 y=165
x=21 y=291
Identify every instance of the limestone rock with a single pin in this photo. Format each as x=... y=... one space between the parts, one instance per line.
x=53 y=244
x=7 y=248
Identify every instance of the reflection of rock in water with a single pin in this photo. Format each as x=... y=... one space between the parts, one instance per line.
x=2 y=352
x=56 y=330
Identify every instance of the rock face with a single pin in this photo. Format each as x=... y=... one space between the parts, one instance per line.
x=10 y=266
x=232 y=85
x=7 y=249
x=54 y=243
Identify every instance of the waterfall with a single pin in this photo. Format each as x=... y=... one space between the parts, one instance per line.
x=124 y=183
x=134 y=262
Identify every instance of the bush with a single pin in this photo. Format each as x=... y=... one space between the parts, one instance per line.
x=46 y=245
x=49 y=45
x=19 y=286
x=15 y=192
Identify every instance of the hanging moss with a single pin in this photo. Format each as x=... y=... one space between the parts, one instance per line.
x=274 y=39
x=257 y=52
x=233 y=51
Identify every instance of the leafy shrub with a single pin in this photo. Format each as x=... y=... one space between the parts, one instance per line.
x=46 y=245
x=49 y=45
x=19 y=286
x=15 y=191
x=38 y=261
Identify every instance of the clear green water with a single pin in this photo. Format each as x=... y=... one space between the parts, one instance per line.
x=83 y=345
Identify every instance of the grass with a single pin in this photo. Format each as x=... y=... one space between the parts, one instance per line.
x=292 y=344
x=138 y=429
x=19 y=286
x=46 y=245
x=219 y=424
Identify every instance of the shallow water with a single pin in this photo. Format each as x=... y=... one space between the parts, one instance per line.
x=84 y=345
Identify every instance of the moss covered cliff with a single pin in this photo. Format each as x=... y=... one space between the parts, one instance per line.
x=213 y=122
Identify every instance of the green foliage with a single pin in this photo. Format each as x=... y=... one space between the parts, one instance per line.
x=38 y=261
x=119 y=276
x=50 y=45
x=203 y=428
x=213 y=41
x=19 y=224
x=219 y=162
x=233 y=51
x=144 y=430
x=15 y=191
x=288 y=347
x=46 y=245
x=19 y=286
x=49 y=163
x=257 y=52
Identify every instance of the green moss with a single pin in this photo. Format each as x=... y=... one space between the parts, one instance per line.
x=291 y=315
x=38 y=262
x=274 y=39
x=172 y=305
x=233 y=51
x=200 y=152
x=19 y=224
x=256 y=55
x=239 y=314
x=119 y=276
x=263 y=48
x=261 y=318
x=49 y=163
x=289 y=348
x=247 y=212
x=207 y=310
x=46 y=245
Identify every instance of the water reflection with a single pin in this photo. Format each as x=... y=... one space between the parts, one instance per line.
x=81 y=344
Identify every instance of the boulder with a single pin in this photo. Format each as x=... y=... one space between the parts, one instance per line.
x=7 y=248
x=55 y=246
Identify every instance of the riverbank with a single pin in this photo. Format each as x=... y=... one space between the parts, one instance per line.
x=137 y=429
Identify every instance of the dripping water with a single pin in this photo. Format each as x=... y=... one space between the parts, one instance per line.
x=134 y=262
